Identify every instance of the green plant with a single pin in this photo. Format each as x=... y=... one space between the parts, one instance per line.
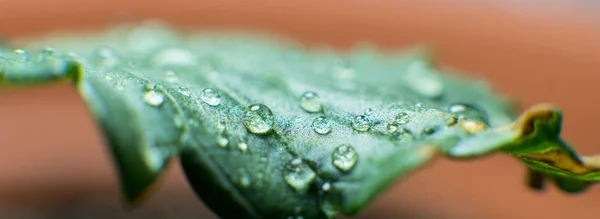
x=274 y=130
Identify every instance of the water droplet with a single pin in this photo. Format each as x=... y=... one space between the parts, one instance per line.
x=153 y=98
x=326 y=187
x=222 y=140
x=154 y=158
x=174 y=56
x=242 y=146
x=298 y=175
x=429 y=130
x=178 y=121
x=210 y=97
x=369 y=111
x=184 y=91
x=401 y=118
x=23 y=54
x=46 y=52
x=259 y=119
x=321 y=125
x=311 y=102
x=244 y=178
x=171 y=76
x=391 y=128
x=361 y=123
x=469 y=112
x=344 y=157
x=106 y=56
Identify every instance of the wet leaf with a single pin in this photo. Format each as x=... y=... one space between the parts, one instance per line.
x=266 y=128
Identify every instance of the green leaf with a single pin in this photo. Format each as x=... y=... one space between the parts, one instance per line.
x=265 y=128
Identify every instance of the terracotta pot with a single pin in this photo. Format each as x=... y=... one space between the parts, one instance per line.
x=53 y=161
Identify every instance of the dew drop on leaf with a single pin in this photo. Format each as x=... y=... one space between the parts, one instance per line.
x=259 y=119
x=344 y=157
x=242 y=146
x=184 y=91
x=23 y=54
x=391 y=128
x=244 y=178
x=311 y=102
x=326 y=187
x=369 y=111
x=222 y=140
x=46 y=52
x=402 y=118
x=210 y=97
x=468 y=111
x=298 y=175
x=321 y=125
x=361 y=123
x=171 y=76
x=153 y=98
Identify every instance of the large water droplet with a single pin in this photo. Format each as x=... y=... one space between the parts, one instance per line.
x=311 y=102
x=469 y=112
x=153 y=98
x=210 y=97
x=298 y=175
x=344 y=157
x=361 y=123
x=402 y=118
x=259 y=119
x=321 y=125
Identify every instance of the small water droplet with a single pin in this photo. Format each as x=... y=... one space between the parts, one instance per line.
x=298 y=175
x=150 y=86
x=321 y=125
x=106 y=56
x=369 y=111
x=222 y=140
x=402 y=118
x=429 y=130
x=405 y=135
x=259 y=119
x=361 y=123
x=184 y=91
x=178 y=121
x=391 y=128
x=46 y=52
x=153 y=98
x=210 y=97
x=311 y=102
x=344 y=157
x=23 y=54
x=326 y=187
x=244 y=178
x=171 y=76
x=242 y=145
x=469 y=112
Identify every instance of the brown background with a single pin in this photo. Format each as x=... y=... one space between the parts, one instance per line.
x=53 y=163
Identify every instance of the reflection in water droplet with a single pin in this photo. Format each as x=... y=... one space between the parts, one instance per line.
x=259 y=119
x=344 y=157
x=244 y=178
x=23 y=54
x=361 y=123
x=311 y=102
x=298 y=175
x=210 y=97
x=321 y=125
x=153 y=98
x=469 y=112
x=171 y=76
x=402 y=118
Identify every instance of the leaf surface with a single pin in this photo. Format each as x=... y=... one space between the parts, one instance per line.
x=265 y=128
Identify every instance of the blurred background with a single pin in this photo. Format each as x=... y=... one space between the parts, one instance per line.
x=53 y=162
